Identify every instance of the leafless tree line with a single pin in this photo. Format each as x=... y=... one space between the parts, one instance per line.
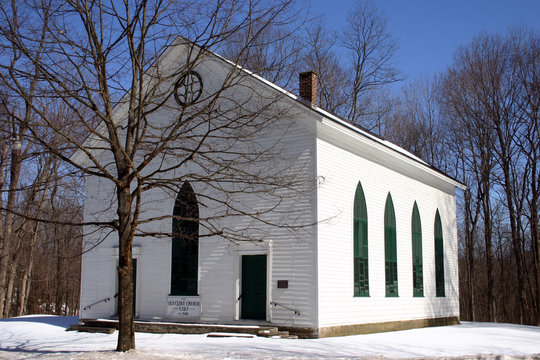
x=39 y=261
x=479 y=121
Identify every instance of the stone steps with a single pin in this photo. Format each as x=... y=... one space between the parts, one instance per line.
x=91 y=329
x=276 y=334
x=213 y=330
x=223 y=335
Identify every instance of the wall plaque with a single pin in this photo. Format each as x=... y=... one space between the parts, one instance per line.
x=283 y=284
x=184 y=306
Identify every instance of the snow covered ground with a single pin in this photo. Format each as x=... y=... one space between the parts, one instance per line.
x=44 y=337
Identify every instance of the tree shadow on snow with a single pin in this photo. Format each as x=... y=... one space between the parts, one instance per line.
x=61 y=321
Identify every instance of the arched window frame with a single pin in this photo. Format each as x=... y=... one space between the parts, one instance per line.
x=185 y=243
x=360 y=231
x=417 y=261
x=390 y=249
x=439 y=257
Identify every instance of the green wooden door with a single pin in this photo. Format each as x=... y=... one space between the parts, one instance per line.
x=253 y=294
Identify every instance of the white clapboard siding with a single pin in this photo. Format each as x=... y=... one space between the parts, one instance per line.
x=341 y=170
x=291 y=253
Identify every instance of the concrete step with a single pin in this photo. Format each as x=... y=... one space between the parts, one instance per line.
x=272 y=334
x=268 y=332
x=213 y=330
x=276 y=334
x=91 y=329
x=223 y=335
x=182 y=328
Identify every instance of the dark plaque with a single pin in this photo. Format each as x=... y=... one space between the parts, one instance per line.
x=283 y=284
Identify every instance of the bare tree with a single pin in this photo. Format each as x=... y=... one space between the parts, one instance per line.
x=526 y=62
x=10 y=177
x=322 y=59
x=415 y=122
x=371 y=53
x=490 y=93
x=101 y=60
x=464 y=102
x=274 y=51
x=28 y=189
x=355 y=66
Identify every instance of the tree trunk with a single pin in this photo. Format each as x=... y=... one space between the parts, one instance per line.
x=58 y=283
x=11 y=281
x=488 y=232
x=126 y=326
x=25 y=281
x=469 y=243
x=509 y=190
x=25 y=284
x=9 y=289
x=489 y=266
x=28 y=287
x=535 y=234
x=536 y=253
x=5 y=255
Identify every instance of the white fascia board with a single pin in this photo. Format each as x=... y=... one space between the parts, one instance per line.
x=261 y=79
x=382 y=146
x=371 y=137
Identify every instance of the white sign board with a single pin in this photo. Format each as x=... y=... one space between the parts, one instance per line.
x=184 y=306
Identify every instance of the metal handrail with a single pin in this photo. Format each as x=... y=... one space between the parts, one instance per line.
x=296 y=312
x=100 y=301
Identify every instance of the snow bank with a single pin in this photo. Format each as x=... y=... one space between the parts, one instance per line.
x=44 y=337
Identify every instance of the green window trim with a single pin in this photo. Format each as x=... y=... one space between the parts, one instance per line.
x=417 y=267
x=360 y=258
x=390 y=249
x=439 y=257
x=185 y=243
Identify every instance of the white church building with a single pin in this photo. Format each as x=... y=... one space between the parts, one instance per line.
x=380 y=252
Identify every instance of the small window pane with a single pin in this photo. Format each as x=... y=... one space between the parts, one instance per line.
x=390 y=248
x=418 y=276
x=360 y=259
x=439 y=257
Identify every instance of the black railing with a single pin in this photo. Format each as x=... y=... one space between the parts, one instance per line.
x=296 y=312
x=100 y=301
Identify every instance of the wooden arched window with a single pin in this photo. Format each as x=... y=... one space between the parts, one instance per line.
x=439 y=256
x=361 y=268
x=390 y=248
x=185 y=243
x=418 y=274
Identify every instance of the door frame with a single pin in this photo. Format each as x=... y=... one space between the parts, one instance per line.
x=237 y=311
x=136 y=255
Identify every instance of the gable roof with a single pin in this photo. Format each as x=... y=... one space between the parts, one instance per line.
x=350 y=125
x=370 y=136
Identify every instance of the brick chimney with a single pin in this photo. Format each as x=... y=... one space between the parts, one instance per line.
x=308 y=87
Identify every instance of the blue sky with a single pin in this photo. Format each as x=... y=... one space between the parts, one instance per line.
x=429 y=31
